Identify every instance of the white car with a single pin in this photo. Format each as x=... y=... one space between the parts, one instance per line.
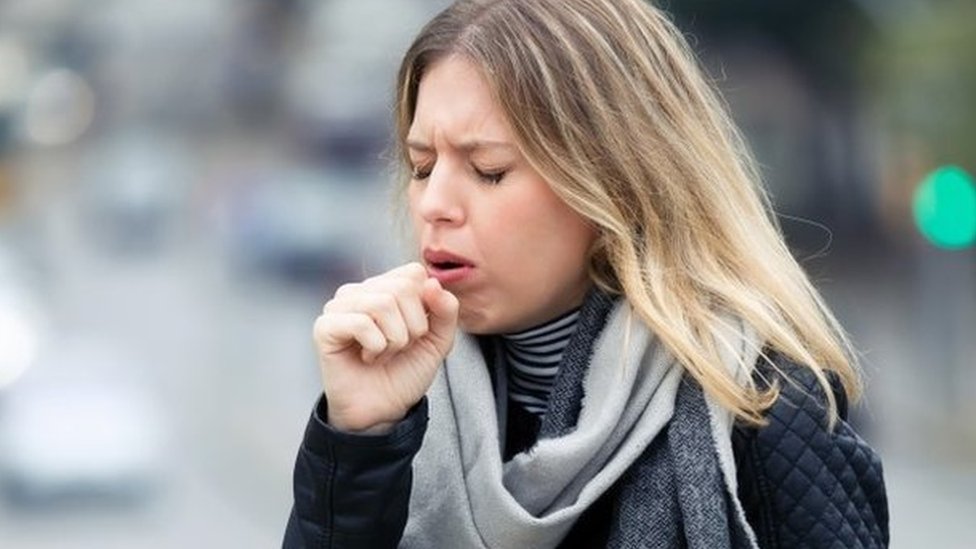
x=65 y=434
x=21 y=321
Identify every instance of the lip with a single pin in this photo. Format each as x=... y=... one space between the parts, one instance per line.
x=465 y=267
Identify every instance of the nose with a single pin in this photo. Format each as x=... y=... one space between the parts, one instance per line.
x=439 y=199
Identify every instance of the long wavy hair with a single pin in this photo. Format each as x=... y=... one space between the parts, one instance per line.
x=609 y=104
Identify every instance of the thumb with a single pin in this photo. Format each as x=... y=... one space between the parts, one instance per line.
x=443 y=307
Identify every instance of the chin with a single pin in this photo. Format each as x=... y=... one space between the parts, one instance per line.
x=474 y=326
x=478 y=322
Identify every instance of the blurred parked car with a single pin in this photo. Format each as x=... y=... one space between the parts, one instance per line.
x=74 y=428
x=340 y=87
x=21 y=319
x=135 y=190
x=307 y=226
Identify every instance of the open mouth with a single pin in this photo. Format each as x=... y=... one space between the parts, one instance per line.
x=446 y=267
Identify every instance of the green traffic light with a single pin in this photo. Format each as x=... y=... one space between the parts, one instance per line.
x=945 y=208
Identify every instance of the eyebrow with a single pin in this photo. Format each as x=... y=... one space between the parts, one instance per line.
x=466 y=146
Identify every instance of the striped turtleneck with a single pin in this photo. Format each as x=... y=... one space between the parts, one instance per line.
x=533 y=358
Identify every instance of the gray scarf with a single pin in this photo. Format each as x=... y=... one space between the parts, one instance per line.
x=627 y=414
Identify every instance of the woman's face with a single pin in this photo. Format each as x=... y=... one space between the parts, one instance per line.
x=489 y=226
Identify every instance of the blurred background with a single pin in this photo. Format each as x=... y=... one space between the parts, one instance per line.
x=184 y=182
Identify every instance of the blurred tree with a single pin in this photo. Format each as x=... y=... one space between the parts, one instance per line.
x=791 y=72
x=927 y=77
x=924 y=81
x=801 y=29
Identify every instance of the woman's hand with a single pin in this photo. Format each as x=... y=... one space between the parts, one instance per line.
x=380 y=343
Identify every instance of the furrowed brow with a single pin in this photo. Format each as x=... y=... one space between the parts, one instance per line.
x=466 y=146
x=469 y=146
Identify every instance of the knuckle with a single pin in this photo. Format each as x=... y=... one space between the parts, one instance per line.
x=361 y=323
x=347 y=289
x=400 y=340
x=401 y=286
x=318 y=327
x=388 y=302
x=421 y=328
x=417 y=270
x=382 y=303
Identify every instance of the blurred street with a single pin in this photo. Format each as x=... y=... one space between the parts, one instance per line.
x=183 y=185
x=228 y=361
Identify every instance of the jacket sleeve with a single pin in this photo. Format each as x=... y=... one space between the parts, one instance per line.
x=353 y=491
x=805 y=485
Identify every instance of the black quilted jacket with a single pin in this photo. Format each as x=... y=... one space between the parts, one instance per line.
x=801 y=485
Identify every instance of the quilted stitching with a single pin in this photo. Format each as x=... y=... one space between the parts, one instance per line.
x=829 y=484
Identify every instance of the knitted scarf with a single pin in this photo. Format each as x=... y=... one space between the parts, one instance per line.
x=621 y=410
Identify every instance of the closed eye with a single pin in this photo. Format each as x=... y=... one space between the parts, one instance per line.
x=419 y=173
x=492 y=178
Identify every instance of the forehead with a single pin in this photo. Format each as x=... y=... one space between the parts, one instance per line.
x=455 y=102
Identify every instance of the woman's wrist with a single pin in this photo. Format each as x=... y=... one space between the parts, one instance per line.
x=369 y=430
x=358 y=426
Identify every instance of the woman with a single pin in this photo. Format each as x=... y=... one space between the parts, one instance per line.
x=611 y=341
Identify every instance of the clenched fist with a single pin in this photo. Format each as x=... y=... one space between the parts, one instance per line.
x=380 y=343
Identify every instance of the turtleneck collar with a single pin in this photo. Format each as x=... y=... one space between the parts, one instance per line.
x=533 y=356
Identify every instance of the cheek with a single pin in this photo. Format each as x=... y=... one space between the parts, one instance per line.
x=412 y=197
x=568 y=249
x=540 y=234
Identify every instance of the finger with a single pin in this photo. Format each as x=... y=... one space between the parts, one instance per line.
x=414 y=315
x=348 y=289
x=408 y=297
x=384 y=309
x=335 y=332
x=406 y=282
x=443 y=307
x=412 y=271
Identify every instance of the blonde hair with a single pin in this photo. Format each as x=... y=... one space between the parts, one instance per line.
x=608 y=103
